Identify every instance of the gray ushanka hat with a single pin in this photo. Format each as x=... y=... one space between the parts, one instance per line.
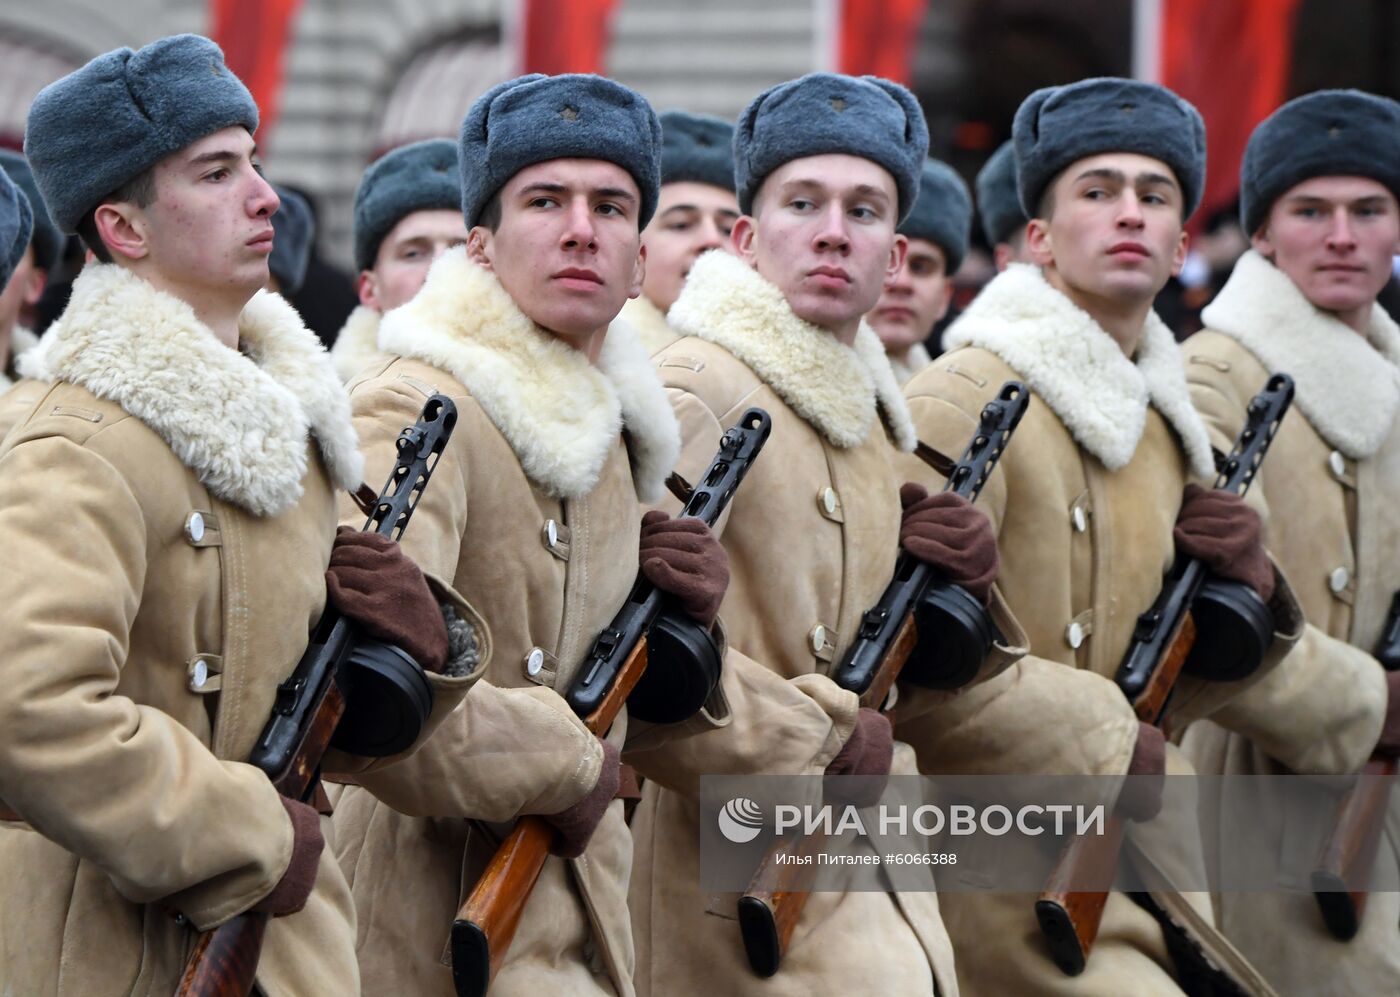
x=697 y=148
x=535 y=118
x=943 y=212
x=823 y=113
x=1057 y=126
x=1327 y=133
x=16 y=224
x=98 y=127
x=292 y=230
x=46 y=238
x=997 y=200
x=423 y=176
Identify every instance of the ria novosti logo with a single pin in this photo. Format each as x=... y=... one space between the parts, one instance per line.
x=740 y=820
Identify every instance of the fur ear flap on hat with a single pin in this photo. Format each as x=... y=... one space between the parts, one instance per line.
x=997 y=200
x=697 y=148
x=46 y=238
x=823 y=113
x=421 y=176
x=1058 y=126
x=122 y=113
x=535 y=118
x=16 y=223
x=1327 y=133
x=293 y=230
x=943 y=212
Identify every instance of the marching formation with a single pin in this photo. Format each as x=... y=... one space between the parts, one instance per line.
x=491 y=723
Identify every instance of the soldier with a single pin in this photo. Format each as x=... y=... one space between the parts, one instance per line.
x=30 y=275
x=695 y=212
x=193 y=433
x=1320 y=182
x=826 y=167
x=294 y=230
x=1092 y=500
x=999 y=205
x=917 y=299
x=407 y=214
x=563 y=428
x=16 y=226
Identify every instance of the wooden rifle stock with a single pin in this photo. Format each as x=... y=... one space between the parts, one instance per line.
x=309 y=706
x=1344 y=868
x=773 y=903
x=1069 y=918
x=486 y=923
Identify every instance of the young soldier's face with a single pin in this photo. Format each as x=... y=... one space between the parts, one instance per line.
x=691 y=218
x=1115 y=231
x=24 y=289
x=823 y=232
x=209 y=229
x=404 y=256
x=1334 y=237
x=915 y=300
x=568 y=249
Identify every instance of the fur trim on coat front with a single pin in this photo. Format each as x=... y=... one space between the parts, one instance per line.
x=1080 y=371
x=238 y=418
x=1347 y=385
x=559 y=413
x=356 y=345
x=834 y=387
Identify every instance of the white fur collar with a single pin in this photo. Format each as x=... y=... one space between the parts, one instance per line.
x=834 y=387
x=356 y=345
x=1348 y=386
x=21 y=342
x=914 y=361
x=237 y=418
x=1080 y=371
x=560 y=413
x=650 y=323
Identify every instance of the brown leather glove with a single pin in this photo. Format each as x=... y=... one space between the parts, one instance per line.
x=1389 y=744
x=685 y=558
x=1218 y=528
x=869 y=751
x=576 y=825
x=946 y=531
x=372 y=581
x=1141 y=796
x=293 y=889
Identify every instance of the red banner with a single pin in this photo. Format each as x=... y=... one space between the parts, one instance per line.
x=1232 y=60
x=878 y=37
x=254 y=35
x=565 y=36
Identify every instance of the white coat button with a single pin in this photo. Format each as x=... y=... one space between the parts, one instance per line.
x=194 y=527
x=1337 y=463
x=829 y=500
x=551 y=532
x=818 y=638
x=1081 y=521
x=534 y=661
x=1074 y=633
x=1337 y=581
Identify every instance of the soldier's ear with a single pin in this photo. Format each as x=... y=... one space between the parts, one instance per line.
x=898 y=253
x=741 y=238
x=639 y=273
x=479 y=246
x=124 y=229
x=1039 y=245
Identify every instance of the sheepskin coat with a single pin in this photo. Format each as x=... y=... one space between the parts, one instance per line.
x=812 y=536
x=356 y=345
x=1330 y=497
x=1083 y=502
x=910 y=364
x=534 y=511
x=650 y=323
x=147 y=626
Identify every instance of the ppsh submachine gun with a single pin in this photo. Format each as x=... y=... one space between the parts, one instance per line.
x=1207 y=627
x=684 y=669
x=925 y=631
x=348 y=692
